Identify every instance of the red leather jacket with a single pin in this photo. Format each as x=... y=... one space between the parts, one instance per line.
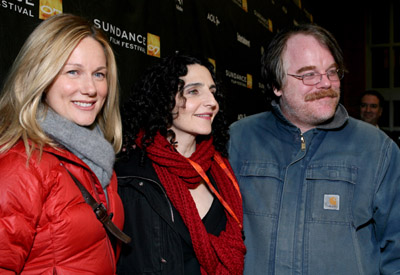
x=46 y=227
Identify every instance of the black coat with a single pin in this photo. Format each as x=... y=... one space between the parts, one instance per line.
x=158 y=233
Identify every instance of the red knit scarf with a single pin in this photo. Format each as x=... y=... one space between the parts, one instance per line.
x=217 y=255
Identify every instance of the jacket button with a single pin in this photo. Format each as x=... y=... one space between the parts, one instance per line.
x=164 y=261
x=141 y=183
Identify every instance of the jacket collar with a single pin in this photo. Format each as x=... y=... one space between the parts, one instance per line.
x=64 y=153
x=337 y=121
x=136 y=164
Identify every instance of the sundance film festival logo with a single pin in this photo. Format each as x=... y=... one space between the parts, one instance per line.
x=242 y=4
x=48 y=8
x=243 y=40
x=267 y=23
x=121 y=37
x=240 y=80
x=22 y=6
x=153 y=45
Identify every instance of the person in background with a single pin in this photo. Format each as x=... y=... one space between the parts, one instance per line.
x=321 y=190
x=371 y=107
x=182 y=202
x=371 y=110
x=60 y=126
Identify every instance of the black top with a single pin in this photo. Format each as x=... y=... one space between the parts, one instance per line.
x=215 y=222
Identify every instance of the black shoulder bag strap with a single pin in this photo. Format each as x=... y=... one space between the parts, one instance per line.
x=99 y=209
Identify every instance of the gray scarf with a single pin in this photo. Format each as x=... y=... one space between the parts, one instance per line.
x=87 y=144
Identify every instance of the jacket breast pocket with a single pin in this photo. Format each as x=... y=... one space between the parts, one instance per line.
x=330 y=189
x=261 y=187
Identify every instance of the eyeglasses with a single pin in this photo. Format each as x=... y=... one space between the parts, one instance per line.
x=312 y=79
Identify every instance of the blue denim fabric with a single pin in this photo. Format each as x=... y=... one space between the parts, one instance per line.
x=332 y=207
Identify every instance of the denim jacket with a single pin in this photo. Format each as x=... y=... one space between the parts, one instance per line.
x=323 y=202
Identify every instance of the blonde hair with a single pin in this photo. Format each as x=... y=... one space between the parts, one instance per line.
x=38 y=63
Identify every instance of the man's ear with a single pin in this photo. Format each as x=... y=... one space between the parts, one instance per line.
x=277 y=92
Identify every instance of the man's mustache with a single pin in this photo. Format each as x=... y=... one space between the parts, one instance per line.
x=321 y=94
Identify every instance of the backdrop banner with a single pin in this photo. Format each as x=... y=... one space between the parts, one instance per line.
x=232 y=34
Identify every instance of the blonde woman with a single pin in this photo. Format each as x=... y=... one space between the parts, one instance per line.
x=60 y=127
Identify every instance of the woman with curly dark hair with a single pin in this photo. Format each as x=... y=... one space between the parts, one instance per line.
x=182 y=203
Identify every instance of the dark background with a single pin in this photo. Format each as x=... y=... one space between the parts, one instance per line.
x=209 y=27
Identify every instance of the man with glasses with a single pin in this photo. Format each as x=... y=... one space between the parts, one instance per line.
x=321 y=190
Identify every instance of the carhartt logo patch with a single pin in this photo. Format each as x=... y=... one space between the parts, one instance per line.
x=331 y=202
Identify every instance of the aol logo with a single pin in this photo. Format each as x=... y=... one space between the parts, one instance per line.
x=240 y=116
x=213 y=19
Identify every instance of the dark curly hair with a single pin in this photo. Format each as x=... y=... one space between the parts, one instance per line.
x=150 y=103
